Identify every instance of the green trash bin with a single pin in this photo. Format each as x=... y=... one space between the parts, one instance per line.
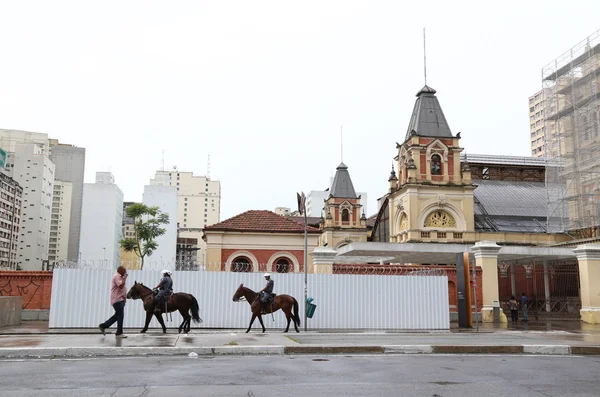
x=310 y=307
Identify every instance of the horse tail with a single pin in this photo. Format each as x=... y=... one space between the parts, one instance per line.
x=296 y=316
x=195 y=310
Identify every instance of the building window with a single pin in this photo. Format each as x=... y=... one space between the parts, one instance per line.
x=282 y=266
x=485 y=173
x=241 y=264
x=436 y=165
x=345 y=215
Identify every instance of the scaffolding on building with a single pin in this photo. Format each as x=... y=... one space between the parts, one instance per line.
x=572 y=140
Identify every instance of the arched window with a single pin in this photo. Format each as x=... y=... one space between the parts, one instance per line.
x=403 y=222
x=440 y=219
x=241 y=264
x=345 y=215
x=282 y=265
x=436 y=165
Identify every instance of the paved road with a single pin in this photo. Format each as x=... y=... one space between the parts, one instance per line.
x=348 y=376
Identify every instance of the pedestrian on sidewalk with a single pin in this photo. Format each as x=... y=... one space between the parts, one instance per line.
x=118 y=296
x=524 y=306
x=514 y=309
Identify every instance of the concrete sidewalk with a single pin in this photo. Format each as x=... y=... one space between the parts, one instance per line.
x=210 y=342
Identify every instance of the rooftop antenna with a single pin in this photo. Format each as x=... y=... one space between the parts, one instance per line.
x=342 y=142
x=208 y=168
x=162 y=164
x=424 y=57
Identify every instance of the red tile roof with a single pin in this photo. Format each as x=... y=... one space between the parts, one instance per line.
x=260 y=221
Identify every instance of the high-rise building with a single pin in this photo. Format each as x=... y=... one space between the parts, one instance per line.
x=101 y=222
x=69 y=166
x=11 y=194
x=165 y=198
x=536 y=124
x=199 y=204
x=69 y=163
x=60 y=222
x=30 y=166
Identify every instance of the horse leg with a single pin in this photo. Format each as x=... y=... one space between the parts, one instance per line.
x=261 y=323
x=183 y=322
x=148 y=318
x=162 y=323
x=289 y=318
x=251 y=321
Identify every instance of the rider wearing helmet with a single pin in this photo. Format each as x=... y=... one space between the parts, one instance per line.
x=265 y=293
x=165 y=288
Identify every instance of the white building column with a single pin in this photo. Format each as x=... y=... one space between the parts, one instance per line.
x=588 y=256
x=486 y=257
x=323 y=258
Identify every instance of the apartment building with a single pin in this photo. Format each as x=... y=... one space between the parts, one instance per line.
x=60 y=221
x=11 y=195
x=536 y=124
x=199 y=204
x=69 y=164
x=165 y=198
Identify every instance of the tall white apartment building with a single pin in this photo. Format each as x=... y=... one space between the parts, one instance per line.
x=30 y=166
x=58 y=247
x=199 y=204
x=101 y=222
x=165 y=198
x=536 y=124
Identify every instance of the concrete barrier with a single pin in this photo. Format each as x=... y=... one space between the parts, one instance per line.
x=10 y=310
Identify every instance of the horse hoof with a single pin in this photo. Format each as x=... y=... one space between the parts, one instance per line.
x=298 y=331
x=247 y=331
x=285 y=332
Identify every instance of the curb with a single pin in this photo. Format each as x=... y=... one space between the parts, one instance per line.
x=88 y=352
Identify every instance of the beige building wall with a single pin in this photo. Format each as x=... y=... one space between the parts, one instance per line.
x=60 y=221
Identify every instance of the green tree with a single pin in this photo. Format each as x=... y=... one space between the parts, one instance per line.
x=148 y=223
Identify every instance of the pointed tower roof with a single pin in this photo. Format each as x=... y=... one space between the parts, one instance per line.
x=427 y=117
x=342 y=184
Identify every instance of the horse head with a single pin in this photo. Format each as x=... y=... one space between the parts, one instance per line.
x=239 y=293
x=134 y=293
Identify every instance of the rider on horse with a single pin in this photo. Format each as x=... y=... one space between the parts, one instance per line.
x=165 y=289
x=266 y=293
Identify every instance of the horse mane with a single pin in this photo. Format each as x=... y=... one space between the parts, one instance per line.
x=143 y=286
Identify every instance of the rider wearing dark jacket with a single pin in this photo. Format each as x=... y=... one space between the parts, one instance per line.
x=266 y=293
x=165 y=288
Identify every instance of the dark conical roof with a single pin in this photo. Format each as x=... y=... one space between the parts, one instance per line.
x=342 y=184
x=427 y=117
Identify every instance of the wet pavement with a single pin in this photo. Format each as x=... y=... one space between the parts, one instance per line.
x=37 y=335
x=277 y=338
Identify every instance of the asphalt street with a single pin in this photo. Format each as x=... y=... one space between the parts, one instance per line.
x=247 y=376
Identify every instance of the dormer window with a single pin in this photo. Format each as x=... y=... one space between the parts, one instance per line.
x=436 y=165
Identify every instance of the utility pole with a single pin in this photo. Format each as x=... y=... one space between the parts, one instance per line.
x=302 y=209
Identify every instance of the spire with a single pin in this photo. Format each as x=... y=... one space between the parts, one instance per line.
x=393 y=175
x=427 y=117
x=342 y=186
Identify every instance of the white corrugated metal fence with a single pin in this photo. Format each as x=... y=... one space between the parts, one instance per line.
x=80 y=299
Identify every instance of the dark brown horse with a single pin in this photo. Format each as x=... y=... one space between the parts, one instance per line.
x=283 y=302
x=179 y=301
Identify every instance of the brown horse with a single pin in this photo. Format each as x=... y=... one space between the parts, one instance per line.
x=179 y=301
x=283 y=302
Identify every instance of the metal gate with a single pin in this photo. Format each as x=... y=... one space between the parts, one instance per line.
x=552 y=288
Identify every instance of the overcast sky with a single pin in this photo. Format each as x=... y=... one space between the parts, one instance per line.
x=263 y=86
